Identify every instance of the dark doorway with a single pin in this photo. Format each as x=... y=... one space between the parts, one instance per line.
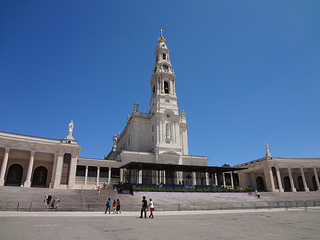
x=220 y=179
x=300 y=184
x=65 y=169
x=287 y=184
x=39 y=177
x=235 y=179
x=260 y=184
x=169 y=177
x=314 y=182
x=14 y=176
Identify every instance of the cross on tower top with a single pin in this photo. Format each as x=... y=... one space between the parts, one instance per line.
x=161 y=31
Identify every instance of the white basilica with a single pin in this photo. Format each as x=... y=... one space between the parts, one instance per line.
x=151 y=151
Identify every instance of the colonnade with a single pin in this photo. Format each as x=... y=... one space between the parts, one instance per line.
x=275 y=178
x=57 y=163
x=97 y=181
x=27 y=182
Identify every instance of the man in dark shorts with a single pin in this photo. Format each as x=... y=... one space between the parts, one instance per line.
x=144 y=207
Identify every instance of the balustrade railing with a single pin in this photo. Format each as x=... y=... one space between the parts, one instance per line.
x=27 y=206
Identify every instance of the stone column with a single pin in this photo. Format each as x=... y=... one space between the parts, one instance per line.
x=27 y=183
x=86 y=176
x=279 y=180
x=121 y=176
x=4 y=166
x=194 y=179
x=317 y=178
x=109 y=175
x=216 y=179
x=293 y=189
x=232 y=184
x=58 y=169
x=304 y=181
x=271 y=179
x=206 y=179
x=224 y=181
x=53 y=173
x=140 y=174
x=72 y=170
x=98 y=175
x=157 y=178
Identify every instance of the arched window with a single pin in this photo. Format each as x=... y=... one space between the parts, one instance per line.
x=164 y=56
x=166 y=87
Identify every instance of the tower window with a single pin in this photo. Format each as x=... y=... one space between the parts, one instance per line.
x=166 y=87
x=164 y=56
x=154 y=89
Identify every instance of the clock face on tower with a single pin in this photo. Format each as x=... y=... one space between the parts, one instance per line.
x=165 y=67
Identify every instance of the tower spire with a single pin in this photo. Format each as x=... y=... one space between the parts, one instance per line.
x=161 y=38
x=161 y=31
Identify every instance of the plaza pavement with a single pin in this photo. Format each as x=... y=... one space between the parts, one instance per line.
x=294 y=223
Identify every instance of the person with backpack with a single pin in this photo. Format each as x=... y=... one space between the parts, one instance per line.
x=108 y=206
x=144 y=207
x=118 y=206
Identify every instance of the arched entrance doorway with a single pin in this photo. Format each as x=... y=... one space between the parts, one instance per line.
x=39 y=177
x=260 y=184
x=300 y=184
x=14 y=175
x=287 y=184
x=314 y=182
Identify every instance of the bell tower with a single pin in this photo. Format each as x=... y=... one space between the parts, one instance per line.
x=168 y=128
x=163 y=93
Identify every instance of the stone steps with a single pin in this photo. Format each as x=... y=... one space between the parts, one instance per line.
x=89 y=200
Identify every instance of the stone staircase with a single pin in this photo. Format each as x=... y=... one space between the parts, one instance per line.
x=26 y=199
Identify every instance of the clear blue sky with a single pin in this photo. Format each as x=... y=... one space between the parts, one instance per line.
x=247 y=72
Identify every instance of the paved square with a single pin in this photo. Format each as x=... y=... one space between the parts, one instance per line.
x=236 y=224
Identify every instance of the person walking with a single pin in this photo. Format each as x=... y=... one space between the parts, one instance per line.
x=108 y=206
x=45 y=201
x=151 y=206
x=57 y=202
x=49 y=200
x=144 y=207
x=118 y=206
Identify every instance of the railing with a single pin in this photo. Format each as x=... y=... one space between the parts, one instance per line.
x=27 y=206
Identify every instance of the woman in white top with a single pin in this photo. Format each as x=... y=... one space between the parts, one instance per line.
x=151 y=206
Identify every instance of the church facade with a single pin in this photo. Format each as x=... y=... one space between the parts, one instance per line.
x=152 y=150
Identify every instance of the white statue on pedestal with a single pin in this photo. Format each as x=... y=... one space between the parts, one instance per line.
x=268 y=154
x=70 y=128
x=168 y=131
x=115 y=141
